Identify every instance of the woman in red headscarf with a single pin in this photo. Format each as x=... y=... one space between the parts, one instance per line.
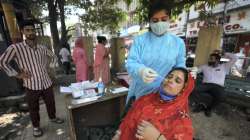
x=163 y=115
x=80 y=60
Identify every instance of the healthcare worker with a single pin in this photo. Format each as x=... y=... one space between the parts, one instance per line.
x=154 y=53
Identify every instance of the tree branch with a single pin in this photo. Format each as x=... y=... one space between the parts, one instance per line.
x=56 y=3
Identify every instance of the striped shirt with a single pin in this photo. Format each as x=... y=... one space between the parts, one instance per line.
x=33 y=60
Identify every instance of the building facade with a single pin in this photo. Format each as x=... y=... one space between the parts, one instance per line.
x=236 y=26
x=130 y=10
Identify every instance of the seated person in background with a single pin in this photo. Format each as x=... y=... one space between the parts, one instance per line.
x=163 y=115
x=209 y=93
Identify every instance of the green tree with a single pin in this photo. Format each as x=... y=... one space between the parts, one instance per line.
x=56 y=9
x=176 y=6
x=61 y=7
x=37 y=6
x=102 y=15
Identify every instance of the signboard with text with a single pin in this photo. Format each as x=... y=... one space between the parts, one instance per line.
x=239 y=22
x=194 y=12
x=194 y=27
x=177 y=26
x=177 y=29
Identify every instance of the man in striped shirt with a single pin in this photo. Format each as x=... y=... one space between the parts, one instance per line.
x=32 y=59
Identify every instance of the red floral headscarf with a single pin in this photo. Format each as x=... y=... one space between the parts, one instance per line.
x=170 y=118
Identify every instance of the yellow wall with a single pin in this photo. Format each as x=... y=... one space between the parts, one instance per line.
x=11 y=20
x=117 y=54
x=89 y=47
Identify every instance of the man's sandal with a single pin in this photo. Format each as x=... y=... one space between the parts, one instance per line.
x=57 y=120
x=37 y=132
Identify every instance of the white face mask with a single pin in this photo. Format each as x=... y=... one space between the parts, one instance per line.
x=159 y=28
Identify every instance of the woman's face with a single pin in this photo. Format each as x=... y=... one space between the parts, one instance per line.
x=174 y=82
x=79 y=43
x=105 y=42
x=159 y=16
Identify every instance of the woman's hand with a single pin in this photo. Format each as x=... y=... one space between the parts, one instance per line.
x=117 y=135
x=147 y=131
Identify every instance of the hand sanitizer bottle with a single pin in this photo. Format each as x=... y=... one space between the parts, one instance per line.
x=100 y=87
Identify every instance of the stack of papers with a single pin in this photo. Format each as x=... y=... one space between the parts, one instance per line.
x=84 y=92
x=66 y=90
x=119 y=90
x=77 y=90
x=121 y=73
x=84 y=100
x=81 y=89
x=89 y=85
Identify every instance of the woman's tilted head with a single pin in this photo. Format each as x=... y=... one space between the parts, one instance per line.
x=175 y=81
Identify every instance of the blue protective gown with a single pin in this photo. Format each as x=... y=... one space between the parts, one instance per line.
x=160 y=53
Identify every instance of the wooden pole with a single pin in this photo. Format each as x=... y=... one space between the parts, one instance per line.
x=11 y=20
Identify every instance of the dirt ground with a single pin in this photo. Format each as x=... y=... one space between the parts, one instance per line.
x=12 y=123
x=226 y=123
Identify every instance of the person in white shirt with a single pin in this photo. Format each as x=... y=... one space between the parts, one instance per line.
x=65 y=59
x=209 y=93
